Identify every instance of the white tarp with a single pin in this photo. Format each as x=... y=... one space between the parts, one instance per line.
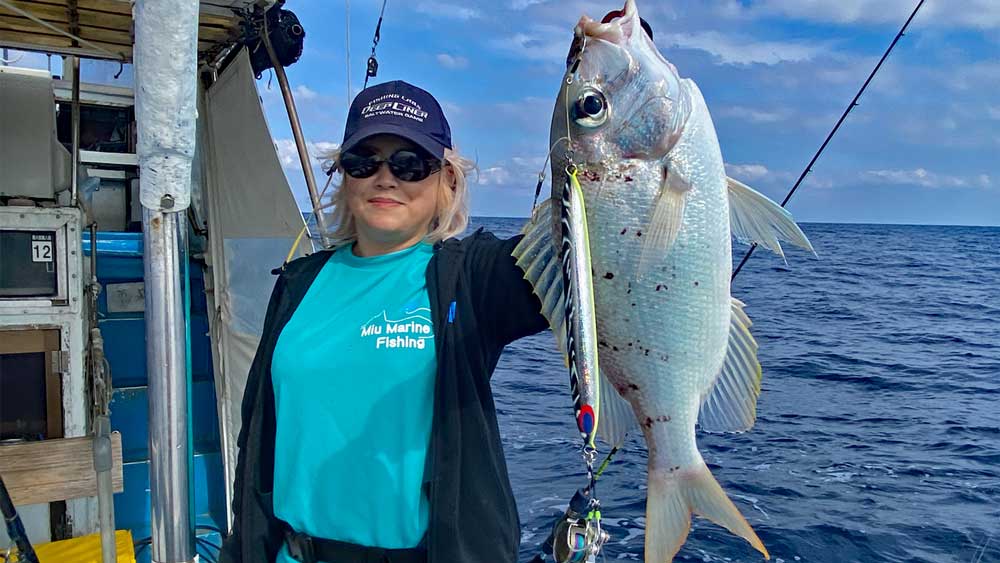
x=252 y=223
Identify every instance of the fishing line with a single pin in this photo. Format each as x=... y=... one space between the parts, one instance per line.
x=568 y=138
x=372 y=69
x=541 y=172
x=347 y=46
x=851 y=106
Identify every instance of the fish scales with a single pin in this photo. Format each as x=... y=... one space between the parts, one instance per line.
x=681 y=302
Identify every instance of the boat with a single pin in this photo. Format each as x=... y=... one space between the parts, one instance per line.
x=142 y=209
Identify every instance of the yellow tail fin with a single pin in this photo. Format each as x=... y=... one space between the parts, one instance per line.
x=673 y=496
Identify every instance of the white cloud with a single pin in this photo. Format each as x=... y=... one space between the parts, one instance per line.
x=547 y=43
x=754 y=115
x=288 y=154
x=524 y=4
x=451 y=109
x=978 y=14
x=447 y=10
x=517 y=172
x=972 y=77
x=454 y=62
x=740 y=50
x=304 y=92
x=747 y=172
x=493 y=176
x=925 y=178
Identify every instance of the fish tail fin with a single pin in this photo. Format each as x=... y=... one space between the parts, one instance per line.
x=673 y=496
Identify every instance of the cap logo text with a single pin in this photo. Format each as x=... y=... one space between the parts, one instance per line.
x=394 y=104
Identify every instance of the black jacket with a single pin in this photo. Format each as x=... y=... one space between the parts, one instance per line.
x=480 y=302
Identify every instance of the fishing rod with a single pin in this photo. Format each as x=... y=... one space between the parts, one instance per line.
x=840 y=121
x=15 y=529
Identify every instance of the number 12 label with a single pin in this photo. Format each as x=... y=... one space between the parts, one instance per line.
x=41 y=251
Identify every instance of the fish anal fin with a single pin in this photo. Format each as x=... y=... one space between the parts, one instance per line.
x=730 y=403
x=617 y=416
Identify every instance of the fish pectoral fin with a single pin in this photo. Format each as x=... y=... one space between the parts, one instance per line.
x=671 y=498
x=754 y=218
x=616 y=416
x=668 y=214
x=536 y=255
x=730 y=405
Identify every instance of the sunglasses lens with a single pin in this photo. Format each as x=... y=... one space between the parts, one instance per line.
x=359 y=166
x=409 y=166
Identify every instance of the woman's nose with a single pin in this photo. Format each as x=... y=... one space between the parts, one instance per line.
x=383 y=177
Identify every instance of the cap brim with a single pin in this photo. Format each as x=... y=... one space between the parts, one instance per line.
x=424 y=141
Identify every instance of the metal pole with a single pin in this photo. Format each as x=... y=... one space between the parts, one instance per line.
x=105 y=489
x=300 y=141
x=166 y=64
x=75 y=126
x=172 y=532
x=101 y=386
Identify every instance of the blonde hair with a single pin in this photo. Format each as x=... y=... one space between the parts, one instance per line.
x=451 y=217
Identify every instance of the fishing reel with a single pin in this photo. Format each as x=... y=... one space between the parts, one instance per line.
x=577 y=536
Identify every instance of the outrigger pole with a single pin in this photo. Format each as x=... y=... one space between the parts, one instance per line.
x=300 y=141
x=165 y=56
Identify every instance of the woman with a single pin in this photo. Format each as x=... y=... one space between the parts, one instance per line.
x=369 y=430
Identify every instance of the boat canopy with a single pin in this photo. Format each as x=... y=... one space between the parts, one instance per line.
x=103 y=29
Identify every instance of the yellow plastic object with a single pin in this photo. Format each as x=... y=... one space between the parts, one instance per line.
x=86 y=549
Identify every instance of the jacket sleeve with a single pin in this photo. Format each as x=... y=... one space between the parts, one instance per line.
x=509 y=308
x=231 y=551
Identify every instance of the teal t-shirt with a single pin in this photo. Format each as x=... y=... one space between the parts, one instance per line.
x=353 y=373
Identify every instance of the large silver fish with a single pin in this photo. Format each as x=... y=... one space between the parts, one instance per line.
x=675 y=347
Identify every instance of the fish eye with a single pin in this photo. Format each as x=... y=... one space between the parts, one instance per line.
x=591 y=108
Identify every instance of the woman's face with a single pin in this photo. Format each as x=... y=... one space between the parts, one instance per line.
x=390 y=213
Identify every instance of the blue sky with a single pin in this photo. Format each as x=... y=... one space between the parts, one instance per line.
x=921 y=147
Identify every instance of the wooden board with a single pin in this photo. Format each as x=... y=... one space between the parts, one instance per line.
x=27 y=341
x=57 y=43
x=54 y=470
x=107 y=23
x=61 y=15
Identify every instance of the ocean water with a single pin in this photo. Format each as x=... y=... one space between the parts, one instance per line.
x=878 y=429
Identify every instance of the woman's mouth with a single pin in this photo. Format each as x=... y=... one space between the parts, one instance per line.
x=383 y=202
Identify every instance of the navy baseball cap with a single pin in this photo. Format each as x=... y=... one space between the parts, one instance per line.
x=400 y=109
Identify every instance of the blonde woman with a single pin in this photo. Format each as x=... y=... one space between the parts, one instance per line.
x=369 y=429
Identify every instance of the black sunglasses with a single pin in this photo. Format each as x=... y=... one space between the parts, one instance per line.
x=405 y=164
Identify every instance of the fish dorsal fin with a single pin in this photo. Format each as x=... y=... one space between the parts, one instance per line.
x=730 y=405
x=754 y=218
x=536 y=255
x=667 y=217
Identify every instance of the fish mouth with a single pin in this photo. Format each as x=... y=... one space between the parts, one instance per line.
x=617 y=26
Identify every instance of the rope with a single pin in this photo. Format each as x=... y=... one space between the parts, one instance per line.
x=850 y=107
